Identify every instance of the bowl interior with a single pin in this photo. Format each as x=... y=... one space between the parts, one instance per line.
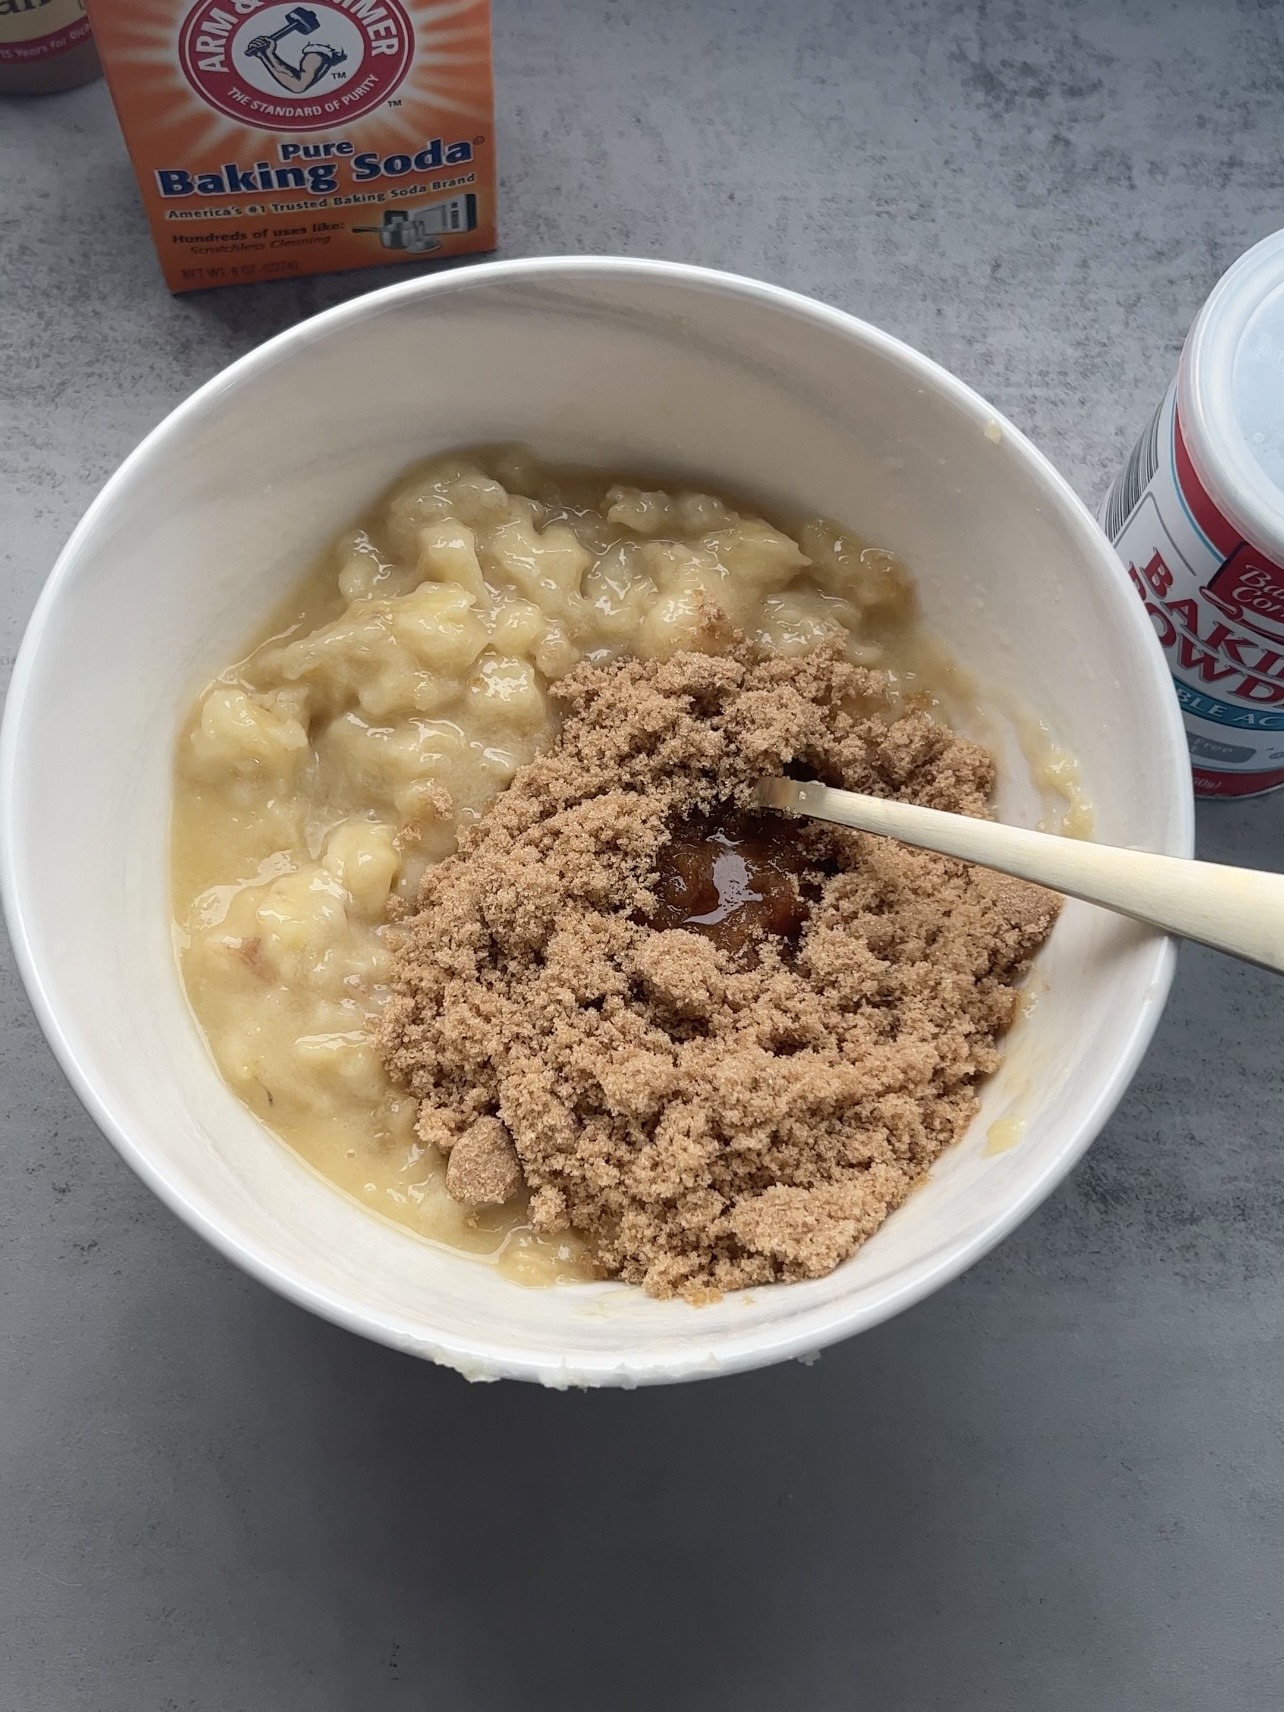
x=623 y=365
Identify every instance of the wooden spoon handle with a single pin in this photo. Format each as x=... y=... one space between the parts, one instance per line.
x=1237 y=910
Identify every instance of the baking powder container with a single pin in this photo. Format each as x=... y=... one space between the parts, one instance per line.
x=1197 y=515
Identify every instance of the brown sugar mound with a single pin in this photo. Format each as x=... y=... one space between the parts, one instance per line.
x=707 y=1111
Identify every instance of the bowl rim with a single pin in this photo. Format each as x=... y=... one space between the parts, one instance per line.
x=801 y=1334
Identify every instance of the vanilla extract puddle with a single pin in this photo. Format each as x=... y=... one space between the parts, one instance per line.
x=734 y=878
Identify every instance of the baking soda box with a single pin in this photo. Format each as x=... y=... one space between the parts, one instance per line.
x=272 y=140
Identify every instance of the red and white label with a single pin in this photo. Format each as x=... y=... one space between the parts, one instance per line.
x=1217 y=604
x=41 y=29
x=296 y=68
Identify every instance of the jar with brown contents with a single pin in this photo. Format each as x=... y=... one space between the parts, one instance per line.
x=45 y=46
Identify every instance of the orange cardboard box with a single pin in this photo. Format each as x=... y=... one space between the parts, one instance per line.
x=272 y=139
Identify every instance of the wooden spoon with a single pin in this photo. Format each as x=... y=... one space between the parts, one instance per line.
x=1237 y=910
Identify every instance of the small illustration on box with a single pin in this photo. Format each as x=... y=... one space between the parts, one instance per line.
x=418 y=229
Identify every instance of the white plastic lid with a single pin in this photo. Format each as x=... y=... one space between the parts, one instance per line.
x=1232 y=394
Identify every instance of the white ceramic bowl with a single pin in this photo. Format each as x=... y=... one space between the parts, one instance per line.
x=630 y=364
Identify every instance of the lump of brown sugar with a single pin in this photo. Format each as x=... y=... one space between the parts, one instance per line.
x=721 y=1048
x=482 y=1167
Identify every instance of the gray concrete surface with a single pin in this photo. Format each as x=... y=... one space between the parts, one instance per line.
x=1055 y=1485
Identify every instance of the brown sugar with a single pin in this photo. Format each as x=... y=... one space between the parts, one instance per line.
x=482 y=1168
x=719 y=1078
